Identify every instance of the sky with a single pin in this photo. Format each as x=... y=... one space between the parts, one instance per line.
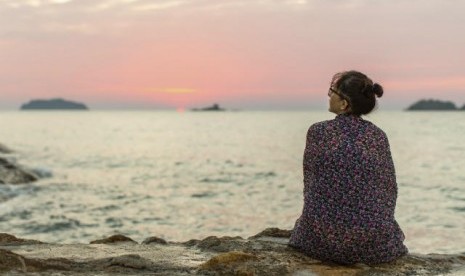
x=244 y=54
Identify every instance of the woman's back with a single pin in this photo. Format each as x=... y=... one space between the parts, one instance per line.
x=350 y=163
x=350 y=194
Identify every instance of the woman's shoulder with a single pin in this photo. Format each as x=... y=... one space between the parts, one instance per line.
x=374 y=129
x=318 y=126
x=376 y=135
x=320 y=129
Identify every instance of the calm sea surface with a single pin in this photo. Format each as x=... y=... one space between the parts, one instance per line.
x=190 y=175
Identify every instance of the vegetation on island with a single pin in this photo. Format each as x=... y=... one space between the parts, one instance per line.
x=431 y=104
x=53 y=104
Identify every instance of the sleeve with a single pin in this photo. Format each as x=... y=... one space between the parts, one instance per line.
x=310 y=154
x=387 y=172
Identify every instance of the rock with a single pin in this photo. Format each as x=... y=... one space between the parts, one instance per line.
x=11 y=262
x=218 y=244
x=53 y=104
x=13 y=174
x=432 y=105
x=289 y=262
x=191 y=243
x=125 y=264
x=222 y=263
x=113 y=239
x=273 y=232
x=5 y=149
x=254 y=256
x=154 y=240
x=7 y=239
x=42 y=172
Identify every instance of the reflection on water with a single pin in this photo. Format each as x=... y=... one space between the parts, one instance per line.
x=190 y=175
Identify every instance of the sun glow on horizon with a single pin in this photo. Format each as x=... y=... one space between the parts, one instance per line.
x=171 y=90
x=264 y=53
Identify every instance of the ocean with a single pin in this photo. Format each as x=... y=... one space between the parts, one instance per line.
x=186 y=175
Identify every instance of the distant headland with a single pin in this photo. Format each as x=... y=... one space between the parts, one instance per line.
x=433 y=105
x=53 y=104
x=214 y=107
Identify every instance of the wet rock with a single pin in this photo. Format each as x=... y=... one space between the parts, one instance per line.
x=7 y=239
x=114 y=239
x=156 y=240
x=10 y=261
x=4 y=149
x=14 y=174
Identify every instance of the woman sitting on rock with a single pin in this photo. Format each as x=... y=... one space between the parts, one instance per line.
x=350 y=188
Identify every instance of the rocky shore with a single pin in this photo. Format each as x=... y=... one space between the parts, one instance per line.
x=266 y=253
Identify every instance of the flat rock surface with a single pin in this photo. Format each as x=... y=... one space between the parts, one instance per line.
x=261 y=255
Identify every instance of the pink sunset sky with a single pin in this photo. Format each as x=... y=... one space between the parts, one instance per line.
x=251 y=54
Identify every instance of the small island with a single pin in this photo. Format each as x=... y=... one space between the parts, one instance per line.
x=424 y=105
x=214 y=107
x=53 y=104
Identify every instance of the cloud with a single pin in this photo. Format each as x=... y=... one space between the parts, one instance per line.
x=60 y=1
x=80 y=28
x=239 y=46
x=158 y=6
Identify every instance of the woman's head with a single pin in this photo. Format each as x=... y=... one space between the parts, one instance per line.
x=354 y=93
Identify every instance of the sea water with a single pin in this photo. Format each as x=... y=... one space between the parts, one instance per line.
x=185 y=175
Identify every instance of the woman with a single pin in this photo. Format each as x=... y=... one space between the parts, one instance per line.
x=350 y=188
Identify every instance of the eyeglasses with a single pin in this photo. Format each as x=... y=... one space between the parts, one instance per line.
x=332 y=91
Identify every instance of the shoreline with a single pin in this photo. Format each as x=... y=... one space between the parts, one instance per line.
x=266 y=253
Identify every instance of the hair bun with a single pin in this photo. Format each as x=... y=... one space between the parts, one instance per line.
x=378 y=90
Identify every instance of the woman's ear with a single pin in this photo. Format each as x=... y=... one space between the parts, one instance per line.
x=344 y=105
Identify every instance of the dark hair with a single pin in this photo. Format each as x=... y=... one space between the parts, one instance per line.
x=358 y=90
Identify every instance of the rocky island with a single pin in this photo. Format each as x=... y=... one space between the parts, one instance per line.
x=214 y=107
x=432 y=105
x=53 y=104
x=266 y=253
